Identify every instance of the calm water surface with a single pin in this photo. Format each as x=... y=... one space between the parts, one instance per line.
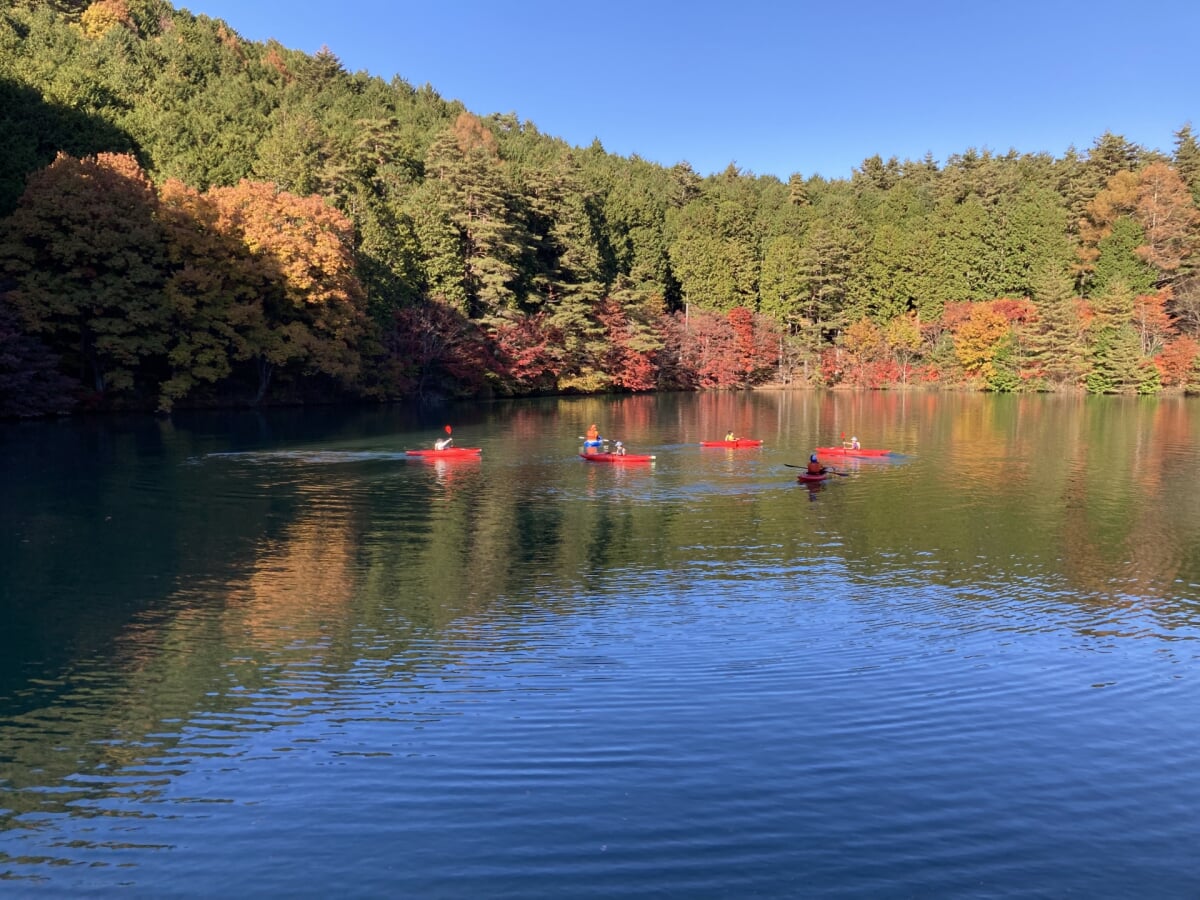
x=271 y=655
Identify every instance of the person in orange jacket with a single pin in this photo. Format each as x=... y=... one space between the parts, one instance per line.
x=593 y=441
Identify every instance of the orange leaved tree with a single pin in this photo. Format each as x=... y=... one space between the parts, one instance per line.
x=87 y=254
x=979 y=338
x=214 y=294
x=313 y=310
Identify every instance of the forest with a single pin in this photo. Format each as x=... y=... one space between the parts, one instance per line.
x=190 y=219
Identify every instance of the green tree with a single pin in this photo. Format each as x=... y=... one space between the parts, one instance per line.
x=1118 y=260
x=1034 y=238
x=292 y=152
x=830 y=255
x=969 y=247
x=202 y=112
x=781 y=282
x=713 y=254
x=797 y=190
x=1187 y=160
x=474 y=200
x=1118 y=366
x=88 y=255
x=1057 y=353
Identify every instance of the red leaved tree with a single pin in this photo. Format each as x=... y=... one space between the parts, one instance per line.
x=756 y=342
x=434 y=349
x=708 y=350
x=528 y=351
x=1151 y=320
x=629 y=358
x=1176 y=360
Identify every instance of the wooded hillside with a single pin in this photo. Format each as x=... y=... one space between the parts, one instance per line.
x=194 y=219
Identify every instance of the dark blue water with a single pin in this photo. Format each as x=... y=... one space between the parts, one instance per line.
x=271 y=655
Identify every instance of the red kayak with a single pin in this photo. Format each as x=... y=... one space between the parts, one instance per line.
x=616 y=457
x=740 y=442
x=448 y=453
x=846 y=451
x=806 y=478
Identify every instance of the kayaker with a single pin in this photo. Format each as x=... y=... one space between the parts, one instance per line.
x=729 y=436
x=593 y=441
x=814 y=466
x=442 y=443
x=620 y=451
x=854 y=444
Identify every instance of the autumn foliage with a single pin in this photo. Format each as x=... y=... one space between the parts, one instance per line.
x=292 y=232
x=146 y=292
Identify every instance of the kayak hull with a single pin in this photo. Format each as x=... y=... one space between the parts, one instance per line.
x=448 y=453
x=733 y=445
x=805 y=478
x=845 y=451
x=615 y=458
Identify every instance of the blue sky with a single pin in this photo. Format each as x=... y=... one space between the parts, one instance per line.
x=775 y=87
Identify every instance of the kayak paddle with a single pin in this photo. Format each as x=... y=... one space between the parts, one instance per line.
x=826 y=472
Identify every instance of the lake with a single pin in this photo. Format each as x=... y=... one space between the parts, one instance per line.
x=270 y=655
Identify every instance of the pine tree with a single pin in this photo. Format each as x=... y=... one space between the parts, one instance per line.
x=474 y=200
x=1055 y=345
x=1118 y=260
x=1187 y=160
x=1116 y=361
x=1117 y=364
x=797 y=190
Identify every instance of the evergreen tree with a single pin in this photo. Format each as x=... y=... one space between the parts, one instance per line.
x=1055 y=343
x=1187 y=160
x=474 y=199
x=713 y=255
x=969 y=252
x=1110 y=154
x=1005 y=376
x=1034 y=239
x=441 y=245
x=1118 y=260
x=826 y=259
x=781 y=281
x=1117 y=364
x=797 y=190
